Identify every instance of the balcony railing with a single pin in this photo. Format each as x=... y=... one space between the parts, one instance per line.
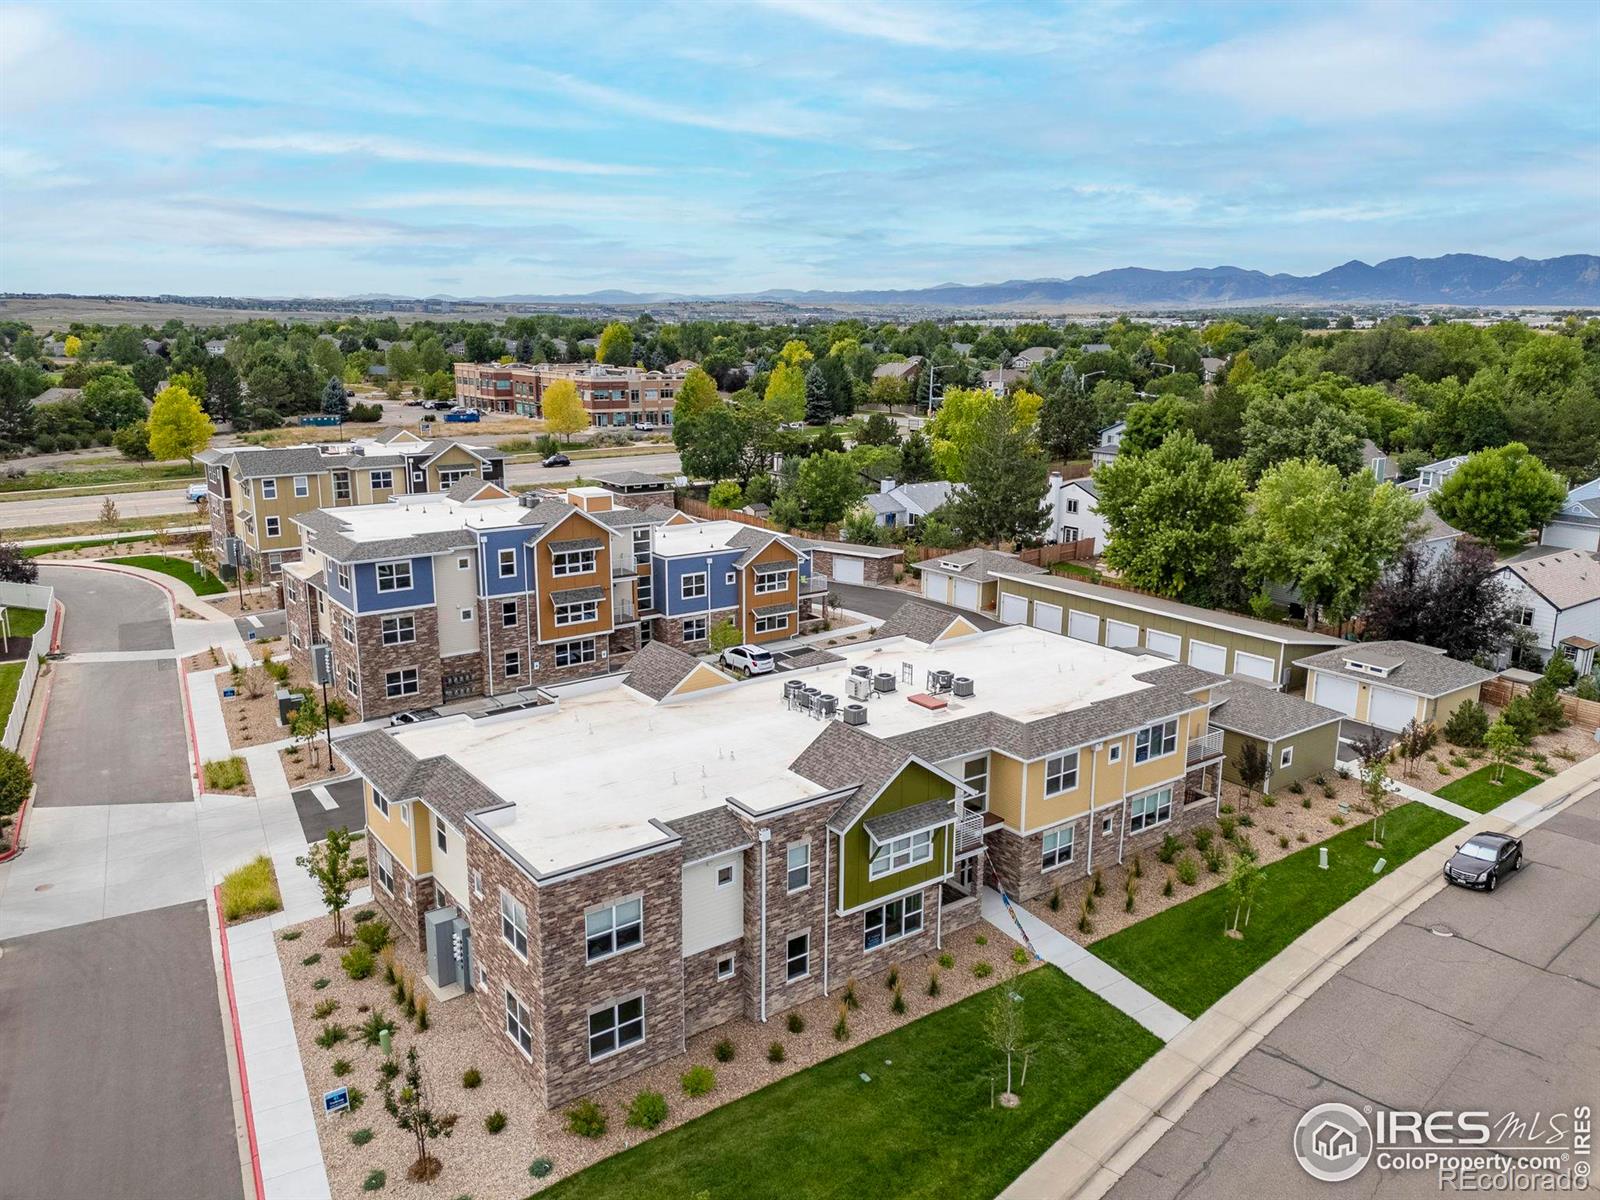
x=969 y=832
x=1207 y=747
x=813 y=585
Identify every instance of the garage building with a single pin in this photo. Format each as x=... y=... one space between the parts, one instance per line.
x=967 y=578
x=1300 y=739
x=1388 y=684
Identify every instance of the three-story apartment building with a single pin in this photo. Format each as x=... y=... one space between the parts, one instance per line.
x=612 y=396
x=632 y=862
x=709 y=571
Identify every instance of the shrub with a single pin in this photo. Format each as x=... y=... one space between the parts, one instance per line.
x=373 y=1027
x=342 y=1067
x=1247 y=821
x=323 y=1009
x=947 y=960
x=374 y=1181
x=1097 y=884
x=1468 y=725
x=364 y=915
x=898 y=1004
x=1297 y=787
x=1270 y=802
x=1202 y=838
x=892 y=979
x=1216 y=859
x=374 y=935
x=332 y=1035
x=775 y=1052
x=797 y=1023
x=849 y=997
x=1336 y=819
x=1166 y=887
x=1522 y=716
x=471 y=1078
x=357 y=1099
x=291 y=935
x=647 y=1110
x=586 y=1119
x=981 y=940
x=311 y=960
x=494 y=1122
x=357 y=961
x=421 y=1014
x=1306 y=803
x=1019 y=956
x=388 y=1069
x=319 y=984
x=841 y=1027
x=1227 y=825
x=698 y=1080
x=225 y=774
x=723 y=1051
x=981 y=969
x=1301 y=837
x=360 y=1137
x=540 y=1167
x=1188 y=870
x=1055 y=900
x=1170 y=846
x=251 y=890
x=1283 y=842
x=933 y=982
x=1138 y=867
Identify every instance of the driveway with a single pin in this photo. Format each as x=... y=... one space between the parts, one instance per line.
x=317 y=817
x=1474 y=1001
x=109 y=611
x=256 y=627
x=115 y=734
x=883 y=602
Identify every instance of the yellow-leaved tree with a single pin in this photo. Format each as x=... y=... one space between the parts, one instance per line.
x=73 y=346
x=179 y=428
x=563 y=410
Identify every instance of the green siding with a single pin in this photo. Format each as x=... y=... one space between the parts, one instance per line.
x=1314 y=753
x=914 y=785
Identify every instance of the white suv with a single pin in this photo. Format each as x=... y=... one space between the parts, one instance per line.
x=752 y=660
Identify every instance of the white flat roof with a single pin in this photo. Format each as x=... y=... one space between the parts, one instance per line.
x=589 y=774
x=700 y=538
x=426 y=513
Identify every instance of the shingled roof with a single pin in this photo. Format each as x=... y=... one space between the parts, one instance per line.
x=917 y=621
x=710 y=833
x=1410 y=666
x=659 y=668
x=1265 y=713
x=397 y=774
x=841 y=757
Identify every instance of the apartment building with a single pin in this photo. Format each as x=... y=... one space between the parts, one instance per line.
x=255 y=492
x=612 y=396
x=710 y=571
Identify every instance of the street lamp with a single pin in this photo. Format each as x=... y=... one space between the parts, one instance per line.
x=932 y=371
x=1084 y=379
x=1168 y=366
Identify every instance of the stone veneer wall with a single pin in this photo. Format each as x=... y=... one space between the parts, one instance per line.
x=405 y=915
x=873 y=570
x=499 y=967
x=376 y=660
x=848 y=959
x=707 y=1000
x=787 y=914
x=670 y=629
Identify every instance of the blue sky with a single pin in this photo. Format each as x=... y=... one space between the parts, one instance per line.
x=484 y=149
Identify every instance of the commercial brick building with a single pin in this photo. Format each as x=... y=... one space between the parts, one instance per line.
x=612 y=396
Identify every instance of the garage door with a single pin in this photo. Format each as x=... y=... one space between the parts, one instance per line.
x=1047 y=616
x=1389 y=709
x=1084 y=626
x=1209 y=657
x=1120 y=633
x=1013 y=609
x=1336 y=693
x=1256 y=667
x=966 y=594
x=1168 y=645
x=936 y=586
x=847 y=570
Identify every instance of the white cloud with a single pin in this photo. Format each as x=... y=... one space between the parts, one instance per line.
x=924 y=25
x=763 y=119
x=397 y=150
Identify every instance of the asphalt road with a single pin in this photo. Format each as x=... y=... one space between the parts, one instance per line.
x=109 y=611
x=883 y=602
x=1474 y=1001
x=115 y=1075
x=115 y=734
x=316 y=820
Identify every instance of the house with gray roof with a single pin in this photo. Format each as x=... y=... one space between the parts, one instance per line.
x=1556 y=599
x=1296 y=739
x=1388 y=685
x=903 y=505
x=1576 y=525
x=1108 y=443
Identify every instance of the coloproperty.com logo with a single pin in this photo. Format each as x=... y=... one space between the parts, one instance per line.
x=1468 y=1151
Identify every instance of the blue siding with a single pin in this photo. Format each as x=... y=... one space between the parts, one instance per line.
x=370 y=599
x=330 y=573
x=491 y=542
x=670 y=601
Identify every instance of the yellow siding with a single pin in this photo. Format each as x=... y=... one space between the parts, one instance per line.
x=1159 y=770
x=1444 y=706
x=960 y=627
x=422 y=838
x=1044 y=811
x=392 y=831
x=699 y=679
x=1005 y=789
x=1109 y=776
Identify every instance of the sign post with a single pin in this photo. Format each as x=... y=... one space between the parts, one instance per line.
x=321 y=672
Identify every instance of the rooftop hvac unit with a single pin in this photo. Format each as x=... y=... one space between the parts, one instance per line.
x=859 y=687
x=855 y=714
x=792 y=688
x=883 y=681
x=827 y=705
x=862 y=670
x=940 y=681
x=962 y=685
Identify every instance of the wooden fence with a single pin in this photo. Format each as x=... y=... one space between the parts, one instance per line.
x=1499 y=691
x=1046 y=556
x=699 y=508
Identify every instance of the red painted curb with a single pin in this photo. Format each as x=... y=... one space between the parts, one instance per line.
x=238 y=1047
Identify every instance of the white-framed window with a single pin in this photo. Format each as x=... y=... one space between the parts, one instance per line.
x=580 y=612
x=1114 y=752
x=693 y=586
x=294 y=639
x=1285 y=756
x=694 y=629
x=646 y=589
x=616 y=1027
x=575 y=654
x=975 y=774
x=450 y=476
x=302 y=487
x=269 y=489
x=394 y=576
x=403 y=682
x=512 y=667
x=1061 y=773
x=777 y=581
x=772 y=623
x=514 y=924
x=477 y=883
x=1072 y=507
x=797 y=957
x=341 y=576
x=900 y=853
x=352 y=685
x=290 y=588
x=347 y=627
x=439 y=837
x=1106 y=824
x=382 y=480
x=1525 y=617
x=1155 y=741
x=641 y=545
x=572 y=562
x=727 y=875
x=613 y=928
x=385 y=864
x=466 y=614
x=1057 y=848
x=508 y=614
x=727 y=965
x=1153 y=808
x=380 y=802
x=798 y=862
x=508 y=563
x=463 y=563
x=341 y=486
x=273 y=526
x=728 y=578
x=892 y=921
x=399 y=630
x=519 y=1024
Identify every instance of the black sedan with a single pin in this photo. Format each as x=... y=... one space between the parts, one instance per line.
x=1483 y=859
x=557 y=460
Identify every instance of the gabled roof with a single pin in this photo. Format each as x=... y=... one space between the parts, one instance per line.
x=631 y=479
x=1408 y=666
x=709 y=834
x=913 y=819
x=398 y=775
x=1264 y=712
x=467 y=490
x=659 y=668
x=843 y=757
x=1567 y=578
x=623 y=517
x=921 y=622
x=981 y=564
x=924 y=498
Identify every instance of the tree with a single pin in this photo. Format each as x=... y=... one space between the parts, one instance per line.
x=1468 y=725
x=825 y=488
x=15 y=566
x=1246 y=880
x=564 y=413
x=697 y=395
x=1299 y=425
x=1067 y=426
x=1503 y=742
x=879 y=429
x=725 y=493
x=178 y=428
x=1006 y=478
x=819 y=406
x=73 y=346
x=16 y=781
x=306 y=723
x=916 y=459
x=1457 y=602
x=1327 y=535
x=1150 y=423
x=861 y=527
x=786 y=392
x=133 y=441
x=723 y=635
x=1500 y=494
x=888 y=391
x=1560 y=671
x=222 y=388
x=335 y=399
x=1375 y=793
x=110 y=519
x=412 y=1110
x=1172 y=518
x=1253 y=766
x=328 y=862
x=147 y=373
x=18 y=417
x=113 y=400
x=964 y=410
x=1415 y=740
x=711 y=445
x=1005 y=1025
x=616 y=345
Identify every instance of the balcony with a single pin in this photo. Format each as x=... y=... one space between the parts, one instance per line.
x=813 y=585
x=1206 y=748
x=969 y=832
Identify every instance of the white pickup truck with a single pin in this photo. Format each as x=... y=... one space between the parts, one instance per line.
x=197 y=493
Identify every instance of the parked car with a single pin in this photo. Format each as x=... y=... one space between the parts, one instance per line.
x=197 y=493
x=557 y=460
x=1482 y=859
x=752 y=660
x=644 y=426
x=462 y=414
x=415 y=716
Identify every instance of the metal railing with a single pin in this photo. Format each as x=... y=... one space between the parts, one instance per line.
x=1208 y=746
x=813 y=585
x=969 y=832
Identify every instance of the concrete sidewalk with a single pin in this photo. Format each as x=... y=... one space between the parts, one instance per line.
x=1459 y=811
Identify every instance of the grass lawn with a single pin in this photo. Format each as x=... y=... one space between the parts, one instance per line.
x=923 y=1126
x=63 y=547
x=1480 y=793
x=158 y=475
x=251 y=891
x=182 y=569
x=25 y=622
x=1182 y=954
x=10 y=680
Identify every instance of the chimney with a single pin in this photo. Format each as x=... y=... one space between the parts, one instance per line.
x=886 y=485
x=1055 y=480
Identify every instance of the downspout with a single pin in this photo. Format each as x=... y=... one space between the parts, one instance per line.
x=533 y=610
x=827 y=888
x=1094 y=767
x=1122 y=824
x=764 y=837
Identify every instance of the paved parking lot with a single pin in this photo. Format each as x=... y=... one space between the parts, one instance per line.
x=115 y=734
x=316 y=818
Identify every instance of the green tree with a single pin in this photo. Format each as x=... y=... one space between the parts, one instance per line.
x=335 y=399
x=1299 y=425
x=819 y=406
x=178 y=427
x=961 y=414
x=616 y=345
x=1503 y=742
x=1546 y=367
x=133 y=441
x=411 y=1107
x=1172 y=518
x=1150 y=423
x=723 y=635
x=1006 y=477
x=825 y=488
x=1246 y=880
x=222 y=388
x=861 y=527
x=711 y=444
x=786 y=392
x=1500 y=494
x=1067 y=426
x=328 y=862
x=18 y=417
x=879 y=429
x=113 y=400
x=725 y=493
x=564 y=413
x=696 y=396
x=916 y=459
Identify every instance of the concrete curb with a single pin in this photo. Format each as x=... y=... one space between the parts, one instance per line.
x=238 y=1045
x=17 y=844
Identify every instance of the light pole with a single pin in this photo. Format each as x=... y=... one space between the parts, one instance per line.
x=1084 y=379
x=932 y=371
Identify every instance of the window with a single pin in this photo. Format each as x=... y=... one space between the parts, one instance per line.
x=975 y=774
x=463 y=563
x=513 y=664
x=385 y=869
x=726 y=966
x=1285 y=756
x=302 y=486
x=274 y=527
x=290 y=588
x=1155 y=741
x=450 y=476
x=575 y=654
x=341 y=576
x=466 y=614
x=892 y=921
x=294 y=640
x=508 y=614
x=726 y=876
x=728 y=578
x=439 y=836
x=1061 y=773
x=616 y=1027
x=901 y=853
x=399 y=683
x=693 y=587
x=641 y=545
x=351 y=684
x=394 y=577
x=694 y=629
x=1149 y=810
x=645 y=593
x=580 y=613
x=380 y=802
x=1525 y=617
x=269 y=489
x=341 y=487
x=477 y=883
x=613 y=929
x=1069 y=533
x=519 y=1025
x=382 y=480
x=799 y=865
x=514 y=923
x=347 y=627
x=399 y=631
x=797 y=958
x=1106 y=825
x=508 y=563
x=1114 y=752
x=771 y=624
x=572 y=562
x=1072 y=507
x=1057 y=848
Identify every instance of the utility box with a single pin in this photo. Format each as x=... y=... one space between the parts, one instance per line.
x=321 y=663
x=440 y=946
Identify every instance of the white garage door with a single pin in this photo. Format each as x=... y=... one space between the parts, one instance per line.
x=1256 y=667
x=1209 y=657
x=847 y=570
x=1084 y=626
x=1168 y=645
x=1013 y=609
x=1120 y=633
x=936 y=586
x=966 y=594
x=1337 y=693
x=1390 y=710
x=1047 y=616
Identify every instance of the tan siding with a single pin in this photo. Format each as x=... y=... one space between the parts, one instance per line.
x=392 y=831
